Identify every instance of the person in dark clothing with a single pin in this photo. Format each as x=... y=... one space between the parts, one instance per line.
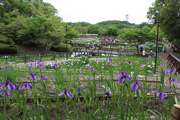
x=141 y=49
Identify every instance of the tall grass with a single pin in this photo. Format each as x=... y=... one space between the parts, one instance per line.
x=42 y=101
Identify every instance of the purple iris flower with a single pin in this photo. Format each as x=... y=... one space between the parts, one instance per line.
x=121 y=63
x=135 y=84
x=108 y=93
x=30 y=67
x=145 y=59
x=42 y=77
x=25 y=85
x=109 y=60
x=31 y=60
x=170 y=71
x=33 y=76
x=92 y=68
x=40 y=64
x=55 y=65
x=8 y=84
x=6 y=68
x=5 y=93
x=67 y=93
x=79 y=90
x=129 y=62
x=123 y=76
x=161 y=95
x=40 y=61
x=173 y=80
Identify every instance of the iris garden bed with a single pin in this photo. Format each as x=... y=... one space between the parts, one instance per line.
x=85 y=89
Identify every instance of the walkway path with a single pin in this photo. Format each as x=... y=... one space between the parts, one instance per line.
x=165 y=55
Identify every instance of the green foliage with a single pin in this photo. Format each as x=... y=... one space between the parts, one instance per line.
x=80 y=29
x=76 y=24
x=112 y=31
x=30 y=22
x=61 y=47
x=94 y=29
x=71 y=32
x=85 y=59
x=7 y=49
x=168 y=11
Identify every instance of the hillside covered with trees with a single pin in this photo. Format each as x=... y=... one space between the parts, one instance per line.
x=36 y=23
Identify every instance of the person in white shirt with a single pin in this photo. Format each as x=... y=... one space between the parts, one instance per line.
x=143 y=53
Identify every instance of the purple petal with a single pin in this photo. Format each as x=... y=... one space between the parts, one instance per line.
x=6 y=68
x=161 y=95
x=79 y=91
x=167 y=71
x=177 y=81
x=44 y=77
x=11 y=86
x=21 y=87
x=119 y=74
x=61 y=94
x=7 y=94
x=38 y=66
x=38 y=79
x=1 y=93
x=153 y=92
x=29 y=67
x=69 y=94
x=176 y=73
x=134 y=86
x=2 y=85
x=121 y=80
x=141 y=84
x=171 y=81
x=16 y=87
x=107 y=93
x=29 y=86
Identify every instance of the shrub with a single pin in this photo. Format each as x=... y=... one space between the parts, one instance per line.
x=61 y=47
x=7 y=49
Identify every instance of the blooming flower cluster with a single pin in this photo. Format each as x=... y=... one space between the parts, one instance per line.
x=171 y=70
x=12 y=87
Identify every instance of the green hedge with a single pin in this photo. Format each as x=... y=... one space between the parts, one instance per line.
x=61 y=47
x=7 y=49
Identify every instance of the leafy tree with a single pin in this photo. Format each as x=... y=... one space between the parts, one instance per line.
x=112 y=31
x=30 y=22
x=80 y=29
x=94 y=29
x=135 y=35
x=71 y=32
x=169 y=17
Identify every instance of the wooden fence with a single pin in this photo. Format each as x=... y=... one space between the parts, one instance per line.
x=174 y=61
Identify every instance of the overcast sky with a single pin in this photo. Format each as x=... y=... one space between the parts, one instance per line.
x=94 y=11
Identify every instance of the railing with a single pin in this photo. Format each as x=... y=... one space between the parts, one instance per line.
x=174 y=61
x=177 y=48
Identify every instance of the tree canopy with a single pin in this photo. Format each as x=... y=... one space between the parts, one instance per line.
x=169 y=17
x=31 y=22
